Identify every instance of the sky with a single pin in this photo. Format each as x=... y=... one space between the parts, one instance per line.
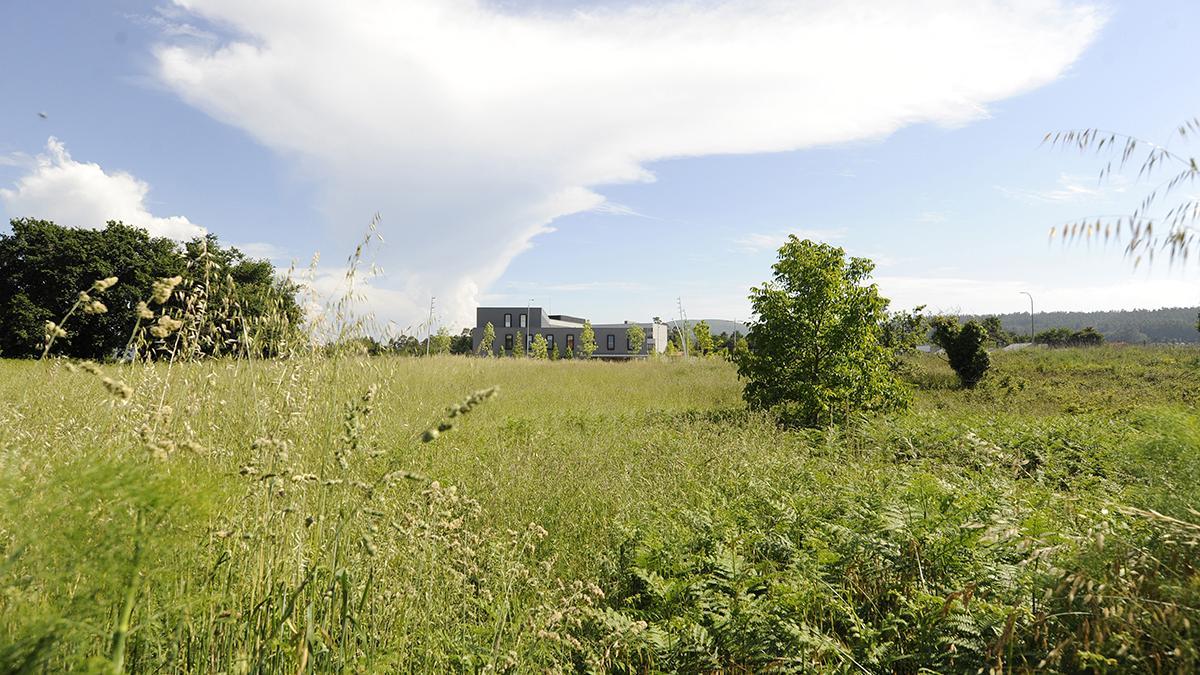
x=605 y=159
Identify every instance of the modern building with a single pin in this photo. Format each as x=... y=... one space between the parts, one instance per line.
x=563 y=332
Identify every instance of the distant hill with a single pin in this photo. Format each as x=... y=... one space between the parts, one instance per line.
x=1172 y=324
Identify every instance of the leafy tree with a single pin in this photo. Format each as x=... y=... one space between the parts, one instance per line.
x=1054 y=337
x=996 y=334
x=672 y=347
x=518 y=349
x=461 y=343
x=702 y=340
x=406 y=345
x=587 y=340
x=817 y=356
x=440 y=342
x=235 y=303
x=568 y=353
x=537 y=348
x=1065 y=337
x=964 y=347
x=902 y=332
x=488 y=341
x=636 y=335
x=1088 y=337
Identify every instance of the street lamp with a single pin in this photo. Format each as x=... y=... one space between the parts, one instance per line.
x=1030 y=315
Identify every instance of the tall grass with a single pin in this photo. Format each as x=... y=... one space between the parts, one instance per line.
x=333 y=512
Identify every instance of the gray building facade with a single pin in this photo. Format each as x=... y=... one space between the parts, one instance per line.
x=563 y=332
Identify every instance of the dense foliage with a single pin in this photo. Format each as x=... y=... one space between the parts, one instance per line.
x=965 y=347
x=817 y=355
x=1065 y=337
x=44 y=267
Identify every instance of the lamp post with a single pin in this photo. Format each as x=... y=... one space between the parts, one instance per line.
x=1030 y=314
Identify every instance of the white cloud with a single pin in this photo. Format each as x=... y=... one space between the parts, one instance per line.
x=471 y=128
x=757 y=242
x=78 y=194
x=1072 y=188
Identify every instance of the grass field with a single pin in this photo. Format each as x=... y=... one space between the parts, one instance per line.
x=255 y=516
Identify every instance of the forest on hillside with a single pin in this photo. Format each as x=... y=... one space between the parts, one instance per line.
x=1167 y=325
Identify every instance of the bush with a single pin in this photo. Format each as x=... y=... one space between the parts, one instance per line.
x=964 y=348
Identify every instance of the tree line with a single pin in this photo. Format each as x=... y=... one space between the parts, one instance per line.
x=127 y=291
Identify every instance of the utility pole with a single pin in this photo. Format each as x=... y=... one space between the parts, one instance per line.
x=1030 y=315
x=683 y=329
x=429 y=326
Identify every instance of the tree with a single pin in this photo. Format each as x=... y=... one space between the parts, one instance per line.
x=702 y=338
x=636 y=335
x=231 y=302
x=440 y=342
x=904 y=331
x=964 y=347
x=587 y=340
x=672 y=347
x=518 y=349
x=817 y=356
x=1054 y=337
x=996 y=333
x=461 y=343
x=488 y=341
x=1088 y=337
x=406 y=345
x=537 y=348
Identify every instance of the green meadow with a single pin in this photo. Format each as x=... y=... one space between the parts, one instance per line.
x=308 y=515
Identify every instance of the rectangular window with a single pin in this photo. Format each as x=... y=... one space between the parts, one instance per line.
x=628 y=345
x=550 y=342
x=523 y=321
x=612 y=342
x=508 y=320
x=570 y=342
x=508 y=342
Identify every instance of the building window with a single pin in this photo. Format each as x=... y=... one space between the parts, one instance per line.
x=612 y=342
x=508 y=320
x=549 y=343
x=628 y=345
x=523 y=321
x=508 y=341
x=570 y=342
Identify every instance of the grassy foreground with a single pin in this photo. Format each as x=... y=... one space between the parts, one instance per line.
x=239 y=516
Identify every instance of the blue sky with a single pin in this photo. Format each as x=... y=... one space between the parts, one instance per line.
x=606 y=181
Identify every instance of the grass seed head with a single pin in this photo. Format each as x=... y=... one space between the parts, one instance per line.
x=104 y=284
x=163 y=288
x=53 y=330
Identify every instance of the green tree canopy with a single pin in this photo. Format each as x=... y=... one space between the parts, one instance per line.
x=965 y=348
x=637 y=338
x=44 y=266
x=702 y=342
x=488 y=341
x=439 y=343
x=587 y=340
x=818 y=358
x=538 y=348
